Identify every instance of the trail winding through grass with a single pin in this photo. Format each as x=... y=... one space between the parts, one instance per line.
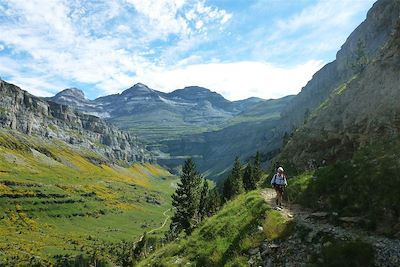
x=158 y=228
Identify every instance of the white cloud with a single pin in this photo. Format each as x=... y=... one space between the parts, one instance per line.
x=100 y=43
x=161 y=18
x=326 y=14
x=237 y=80
x=313 y=32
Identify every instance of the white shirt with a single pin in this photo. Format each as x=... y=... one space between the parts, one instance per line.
x=279 y=179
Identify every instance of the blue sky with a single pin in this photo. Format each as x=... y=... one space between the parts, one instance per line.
x=241 y=48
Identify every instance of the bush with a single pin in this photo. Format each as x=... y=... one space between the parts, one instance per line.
x=347 y=254
x=368 y=185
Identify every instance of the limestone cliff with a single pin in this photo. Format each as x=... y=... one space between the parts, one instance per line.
x=364 y=110
x=31 y=115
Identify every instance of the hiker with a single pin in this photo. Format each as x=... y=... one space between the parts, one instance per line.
x=279 y=183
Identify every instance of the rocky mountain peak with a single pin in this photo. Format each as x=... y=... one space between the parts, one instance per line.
x=197 y=93
x=138 y=89
x=72 y=92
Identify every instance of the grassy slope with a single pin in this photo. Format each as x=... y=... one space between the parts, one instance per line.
x=225 y=238
x=368 y=185
x=58 y=202
x=264 y=111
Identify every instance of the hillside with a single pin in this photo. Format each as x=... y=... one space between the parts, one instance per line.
x=72 y=186
x=57 y=202
x=247 y=231
x=351 y=141
x=225 y=238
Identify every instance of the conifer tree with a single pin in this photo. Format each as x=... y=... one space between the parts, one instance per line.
x=248 y=178
x=214 y=201
x=186 y=200
x=257 y=171
x=204 y=199
x=234 y=184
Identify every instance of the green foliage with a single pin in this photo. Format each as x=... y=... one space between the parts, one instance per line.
x=186 y=200
x=347 y=254
x=54 y=201
x=368 y=185
x=297 y=186
x=248 y=178
x=140 y=250
x=213 y=202
x=204 y=199
x=233 y=186
x=223 y=239
x=360 y=58
x=257 y=167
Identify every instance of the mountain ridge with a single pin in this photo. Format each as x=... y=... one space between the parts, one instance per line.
x=32 y=115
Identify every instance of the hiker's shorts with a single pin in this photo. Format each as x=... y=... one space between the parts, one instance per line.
x=279 y=188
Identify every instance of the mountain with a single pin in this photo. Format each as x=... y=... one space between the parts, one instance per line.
x=192 y=121
x=155 y=115
x=349 y=144
x=367 y=39
x=31 y=115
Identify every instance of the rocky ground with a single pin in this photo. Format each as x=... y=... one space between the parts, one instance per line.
x=312 y=234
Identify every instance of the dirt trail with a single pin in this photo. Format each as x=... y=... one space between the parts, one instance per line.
x=164 y=223
x=387 y=251
x=158 y=228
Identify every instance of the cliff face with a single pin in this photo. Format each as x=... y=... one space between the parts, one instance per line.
x=370 y=36
x=33 y=116
x=362 y=111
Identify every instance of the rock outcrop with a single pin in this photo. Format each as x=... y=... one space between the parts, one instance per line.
x=369 y=36
x=363 y=110
x=31 y=115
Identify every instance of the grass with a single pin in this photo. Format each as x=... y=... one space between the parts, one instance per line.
x=368 y=185
x=60 y=203
x=225 y=238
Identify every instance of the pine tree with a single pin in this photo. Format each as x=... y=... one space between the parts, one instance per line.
x=213 y=202
x=248 y=178
x=204 y=198
x=234 y=184
x=186 y=200
x=257 y=171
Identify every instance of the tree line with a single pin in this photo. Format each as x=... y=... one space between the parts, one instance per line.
x=193 y=199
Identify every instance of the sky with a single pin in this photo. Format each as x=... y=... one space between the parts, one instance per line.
x=238 y=48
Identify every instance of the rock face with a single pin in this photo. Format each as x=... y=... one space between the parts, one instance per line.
x=362 y=110
x=372 y=34
x=34 y=116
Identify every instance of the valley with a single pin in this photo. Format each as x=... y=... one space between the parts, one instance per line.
x=58 y=202
x=182 y=178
